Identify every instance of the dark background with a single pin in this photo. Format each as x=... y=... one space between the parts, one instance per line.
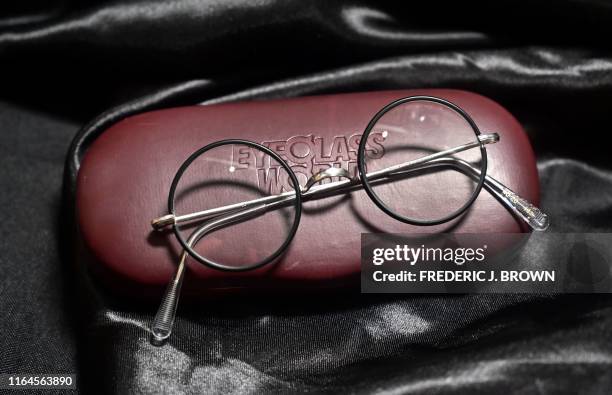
x=63 y=63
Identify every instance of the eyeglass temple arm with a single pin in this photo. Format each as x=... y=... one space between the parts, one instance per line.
x=162 y=324
x=170 y=219
x=520 y=206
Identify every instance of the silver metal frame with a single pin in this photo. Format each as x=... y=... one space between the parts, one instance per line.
x=161 y=327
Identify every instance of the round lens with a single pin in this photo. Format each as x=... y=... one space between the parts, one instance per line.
x=431 y=192
x=224 y=200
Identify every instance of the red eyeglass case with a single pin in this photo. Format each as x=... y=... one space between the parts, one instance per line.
x=125 y=177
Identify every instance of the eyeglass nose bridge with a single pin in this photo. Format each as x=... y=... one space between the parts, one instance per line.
x=327 y=173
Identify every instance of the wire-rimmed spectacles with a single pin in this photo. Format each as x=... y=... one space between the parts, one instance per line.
x=228 y=191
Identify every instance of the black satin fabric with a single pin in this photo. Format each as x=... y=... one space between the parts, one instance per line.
x=62 y=63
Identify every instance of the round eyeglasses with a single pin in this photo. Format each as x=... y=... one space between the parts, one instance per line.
x=422 y=160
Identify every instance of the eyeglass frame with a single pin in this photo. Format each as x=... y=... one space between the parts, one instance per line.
x=162 y=324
